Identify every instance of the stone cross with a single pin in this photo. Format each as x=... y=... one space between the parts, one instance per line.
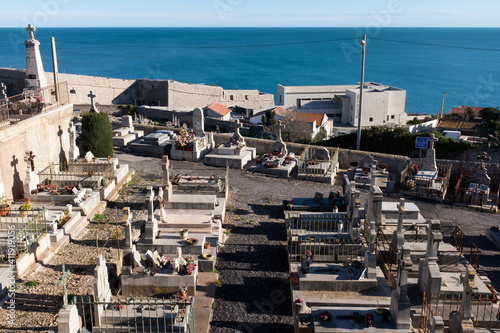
x=64 y=281
x=150 y=203
x=404 y=267
x=434 y=237
x=30 y=30
x=72 y=134
x=373 y=176
x=432 y=139
x=398 y=238
x=3 y=95
x=373 y=237
x=167 y=195
x=128 y=234
x=237 y=136
x=470 y=288
x=163 y=215
x=93 y=107
x=30 y=158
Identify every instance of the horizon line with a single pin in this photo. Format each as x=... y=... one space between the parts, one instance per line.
x=252 y=27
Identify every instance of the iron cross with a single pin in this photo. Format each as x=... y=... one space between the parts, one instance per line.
x=64 y=281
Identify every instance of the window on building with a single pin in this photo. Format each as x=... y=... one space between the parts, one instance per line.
x=231 y=97
x=351 y=107
x=371 y=118
x=392 y=117
x=387 y=118
x=247 y=97
x=72 y=91
x=31 y=76
x=281 y=99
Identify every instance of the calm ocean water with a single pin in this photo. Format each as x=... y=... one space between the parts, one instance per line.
x=465 y=62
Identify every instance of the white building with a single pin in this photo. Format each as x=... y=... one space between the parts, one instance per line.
x=382 y=105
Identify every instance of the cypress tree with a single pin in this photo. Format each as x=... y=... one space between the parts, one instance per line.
x=97 y=134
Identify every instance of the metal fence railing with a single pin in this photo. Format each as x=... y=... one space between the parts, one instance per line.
x=86 y=174
x=27 y=230
x=484 y=309
x=31 y=103
x=137 y=315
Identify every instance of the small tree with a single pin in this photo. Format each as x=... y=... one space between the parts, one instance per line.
x=97 y=134
x=269 y=119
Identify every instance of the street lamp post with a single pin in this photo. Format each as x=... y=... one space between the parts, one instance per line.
x=362 y=84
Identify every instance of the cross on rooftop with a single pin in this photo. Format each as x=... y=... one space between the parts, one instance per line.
x=30 y=29
x=64 y=281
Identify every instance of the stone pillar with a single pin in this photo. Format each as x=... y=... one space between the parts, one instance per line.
x=461 y=321
x=398 y=237
x=68 y=320
x=436 y=324
x=370 y=256
x=163 y=214
x=429 y=275
x=151 y=224
x=167 y=195
x=74 y=151
x=102 y=291
x=400 y=302
x=35 y=75
x=198 y=123
x=430 y=158
x=354 y=228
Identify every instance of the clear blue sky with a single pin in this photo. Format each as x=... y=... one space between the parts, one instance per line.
x=251 y=13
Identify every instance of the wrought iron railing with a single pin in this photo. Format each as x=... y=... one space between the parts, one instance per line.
x=137 y=315
x=28 y=230
x=87 y=174
x=31 y=103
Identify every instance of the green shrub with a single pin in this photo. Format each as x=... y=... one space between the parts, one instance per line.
x=97 y=134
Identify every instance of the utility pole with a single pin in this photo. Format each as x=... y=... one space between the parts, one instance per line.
x=442 y=105
x=363 y=45
x=54 y=65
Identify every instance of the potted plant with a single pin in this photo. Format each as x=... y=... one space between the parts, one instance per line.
x=207 y=245
x=325 y=316
x=192 y=241
x=4 y=205
x=183 y=292
x=24 y=208
x=184 y=233
x=28 y=200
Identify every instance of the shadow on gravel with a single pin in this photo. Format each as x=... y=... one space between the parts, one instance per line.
x=254 y=259
x=273 y=211
x=252 y=327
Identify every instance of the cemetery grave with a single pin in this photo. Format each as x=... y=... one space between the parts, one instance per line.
x=157 y=144
x=318 y=164
x=194 y=145
x=368 y=172
x=126 y=133
x=234 y=153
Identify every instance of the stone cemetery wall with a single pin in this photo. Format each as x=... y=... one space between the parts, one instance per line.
x=45 y=134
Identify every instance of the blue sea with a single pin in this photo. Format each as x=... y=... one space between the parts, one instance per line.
x=464 y=62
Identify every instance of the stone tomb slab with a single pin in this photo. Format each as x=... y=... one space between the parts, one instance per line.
x=283 y=170
x=169 y=243
x=162 y=283
x=227 y=157
x=451 y=284
x=343 y=320
x=158 y=143
x=334 y=277
x=390 y=210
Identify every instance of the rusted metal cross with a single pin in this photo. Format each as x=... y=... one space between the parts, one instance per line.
x=64 y=281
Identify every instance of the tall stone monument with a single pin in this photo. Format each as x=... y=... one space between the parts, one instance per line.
x=35 y=75
x=280 y=145
x=429 y=275
x=398 y=238
x=151 y=223
x=93 y=107
x=461 y=321
x=198 y=122
x=74 y=151
x=400 y=302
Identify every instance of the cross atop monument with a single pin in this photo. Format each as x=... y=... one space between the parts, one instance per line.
x=432 y=139
x=30 y=158
x=64 y=281
x=484 y=158
x=280 y=127
x=93 y=107
x=30 y=29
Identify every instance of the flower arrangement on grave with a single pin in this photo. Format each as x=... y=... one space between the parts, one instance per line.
x=439 y=179
x=63 y=219
x=325 y=316
x=410 y=185
x=4 y=202
x=369 y=320
x=27 y=199
x=289 y=203
x=494 y=294
x=164 y=261
x=494 y=228
x=34 y=191
x=192 y=241
x=184 y=140
x=414 y=168
x=308 y=254
x=299 y=300
x=183 y=292
x=69 y=189
x=40 y=187
x=183 y=233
